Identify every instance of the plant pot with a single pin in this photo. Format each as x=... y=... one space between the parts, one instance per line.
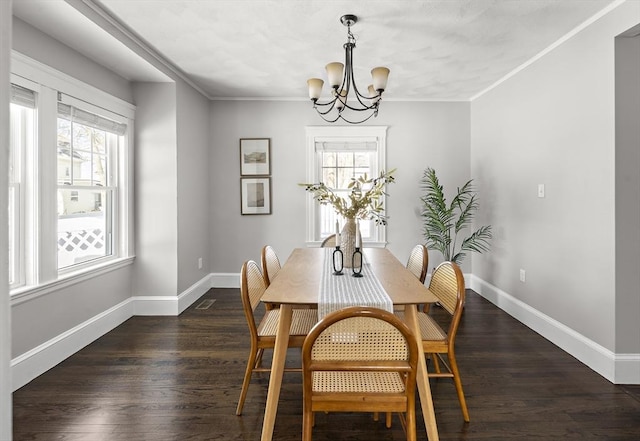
x=348 y=241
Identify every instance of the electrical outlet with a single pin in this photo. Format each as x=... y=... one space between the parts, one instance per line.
x=200 y=263
x=523 y=275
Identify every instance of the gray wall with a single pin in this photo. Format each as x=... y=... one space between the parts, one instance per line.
x=156 y=217
x=627 y=187
x=39 y=46
x=172 y=188
x=553 y=123
x=419 y=135
x=5 y=309
x=159 y=228
x=193 y=186
x=40 y=319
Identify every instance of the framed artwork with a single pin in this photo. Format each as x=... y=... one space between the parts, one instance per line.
x=255 y=156
x=255 y=195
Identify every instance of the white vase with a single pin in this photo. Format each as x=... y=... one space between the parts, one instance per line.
x=348 y=241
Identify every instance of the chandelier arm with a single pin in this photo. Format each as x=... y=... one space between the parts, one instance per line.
x=322 y=115
x=341 y=93
x=328 y=103
x=350 y=78
x=358 y=94
x=326 y=111
x=355 y=122
x=361 y=109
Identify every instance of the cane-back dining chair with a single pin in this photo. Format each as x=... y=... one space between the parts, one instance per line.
x=359 y=359
x=447 y=283
x=263 y=333
x=270 y=264
x=329 y=242
x=418 y=262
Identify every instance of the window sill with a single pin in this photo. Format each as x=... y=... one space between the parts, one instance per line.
x=26 y=293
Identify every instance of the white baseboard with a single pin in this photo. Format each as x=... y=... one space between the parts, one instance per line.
x=40 y=359
x=627 y=369
x=617 y=368
x=225 y=280
x=193 y=293
x=171 y=305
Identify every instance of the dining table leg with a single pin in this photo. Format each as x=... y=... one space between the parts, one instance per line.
x=277 y=370
x=422 y=378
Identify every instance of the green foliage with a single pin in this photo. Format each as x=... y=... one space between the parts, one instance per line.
x=442 y=223
x=363 y=201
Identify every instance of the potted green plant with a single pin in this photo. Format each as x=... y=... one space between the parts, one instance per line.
x=442 y=223
x=363 y=202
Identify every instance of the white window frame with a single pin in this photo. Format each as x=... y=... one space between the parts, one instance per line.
x=111 y=189
x=351 y=134
x=23 y=188
x=40 y=241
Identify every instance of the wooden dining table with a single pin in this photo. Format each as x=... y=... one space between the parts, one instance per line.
x=298 y=284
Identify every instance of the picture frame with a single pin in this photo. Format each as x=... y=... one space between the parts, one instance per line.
x=255 y=156
x=255 y=195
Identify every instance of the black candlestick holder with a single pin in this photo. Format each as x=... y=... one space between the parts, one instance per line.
x=356 y=263
x=338 y=261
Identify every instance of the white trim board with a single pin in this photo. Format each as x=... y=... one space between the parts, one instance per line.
x=225 y=280
x=171 y=305
x=617 y=368
x=40 y=359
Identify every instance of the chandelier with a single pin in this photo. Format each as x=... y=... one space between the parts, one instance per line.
x=346 y=105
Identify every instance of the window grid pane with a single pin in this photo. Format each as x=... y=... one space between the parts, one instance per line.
x=84 y=227
x=337 y=170
x=83 y=156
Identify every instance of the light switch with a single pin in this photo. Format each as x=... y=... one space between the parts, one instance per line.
x=540 y=190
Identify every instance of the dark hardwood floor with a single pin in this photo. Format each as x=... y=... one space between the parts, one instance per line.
x=178 y=378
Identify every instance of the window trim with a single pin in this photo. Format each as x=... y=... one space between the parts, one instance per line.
x=22 y=256
x=42 y=273
x=340 y=134
x=111 y=191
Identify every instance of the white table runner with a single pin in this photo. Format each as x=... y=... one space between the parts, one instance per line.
x=338 y=292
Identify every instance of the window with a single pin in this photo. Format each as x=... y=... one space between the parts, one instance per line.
x=335 y=155
x=21 y=141
x=69 y=179
x=87 y=148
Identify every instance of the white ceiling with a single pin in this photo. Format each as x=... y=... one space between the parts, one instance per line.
x=436 y=50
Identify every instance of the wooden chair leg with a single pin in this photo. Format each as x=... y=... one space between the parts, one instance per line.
x=436 y=362
x=410 y=425
x=388 y=420
x=376 y=416
x=307 y=425
x=258 y=361
x=247 y=379
x=458 y=384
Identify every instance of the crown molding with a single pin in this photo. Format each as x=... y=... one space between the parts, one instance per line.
x=110 y=24
x=551 y=47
